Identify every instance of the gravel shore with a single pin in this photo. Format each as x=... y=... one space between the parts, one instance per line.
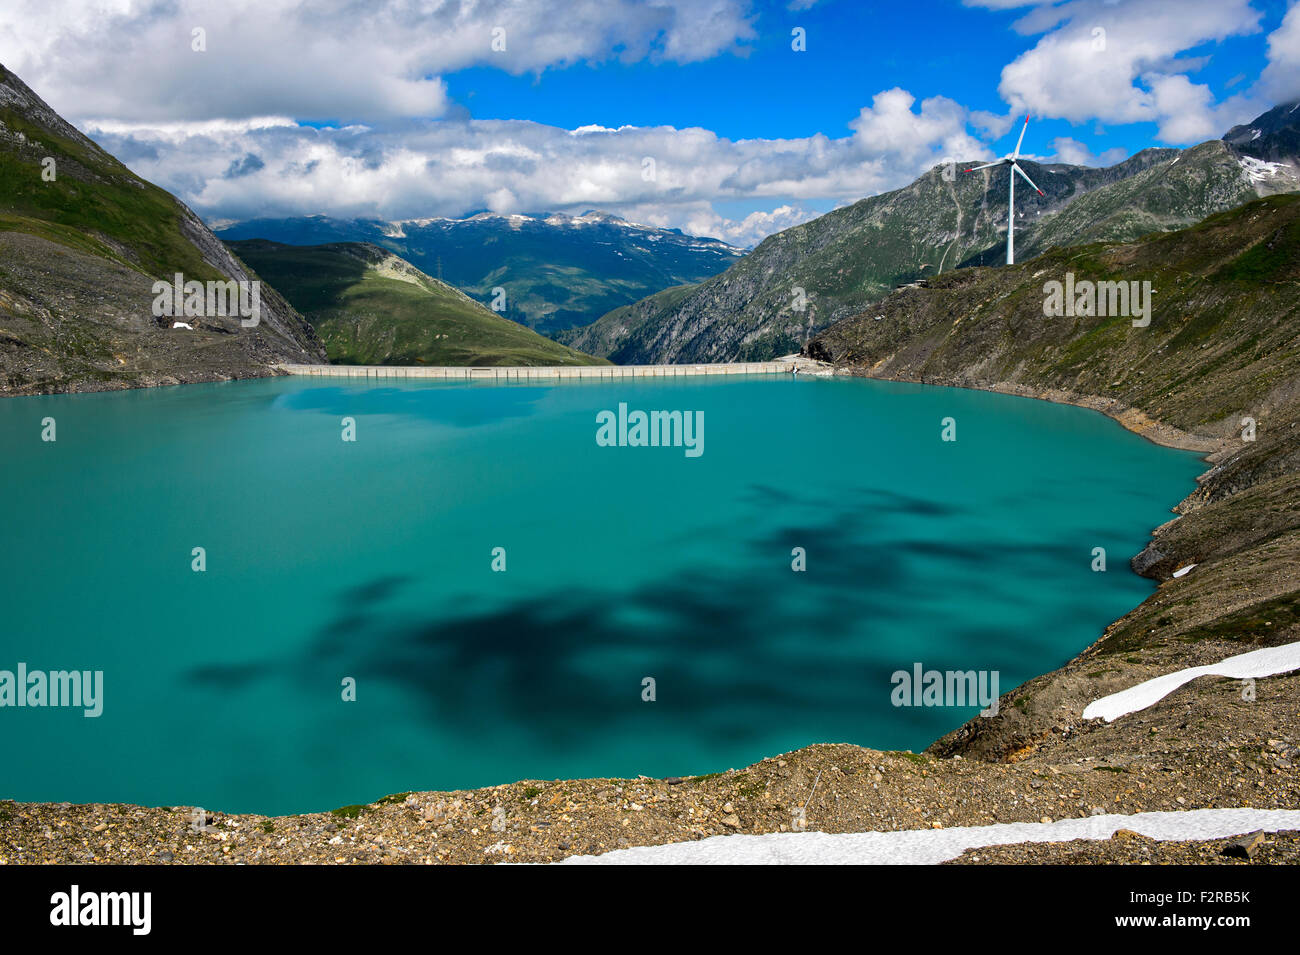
x=839 y=788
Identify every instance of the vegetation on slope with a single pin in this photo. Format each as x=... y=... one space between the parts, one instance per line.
x=82 y=240
x=558 y=271
x=371 y=307
x=93 y=204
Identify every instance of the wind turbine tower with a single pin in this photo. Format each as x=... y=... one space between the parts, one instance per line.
x=1011 y=194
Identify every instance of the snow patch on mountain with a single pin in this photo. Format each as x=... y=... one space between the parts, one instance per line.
x=1258 y=170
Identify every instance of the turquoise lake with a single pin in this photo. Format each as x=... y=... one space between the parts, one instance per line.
x=372 y=560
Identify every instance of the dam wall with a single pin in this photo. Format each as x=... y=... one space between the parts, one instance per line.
x=519 y=373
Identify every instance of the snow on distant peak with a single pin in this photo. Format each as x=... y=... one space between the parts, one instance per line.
x=1258 y=170
x=397 y=228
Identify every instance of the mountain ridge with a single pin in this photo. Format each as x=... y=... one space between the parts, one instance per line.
x=370 y=306
x=556 y=270
x=945 y=219
x=84 y=241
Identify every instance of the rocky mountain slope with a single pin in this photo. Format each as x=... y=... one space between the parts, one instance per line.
x=1217 y=370
x=371 y=307
x=840 y=262
x=82 y=241
x=558 y=271
x=1274 y=136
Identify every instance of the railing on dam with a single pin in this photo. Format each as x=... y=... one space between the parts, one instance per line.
x=519 y=373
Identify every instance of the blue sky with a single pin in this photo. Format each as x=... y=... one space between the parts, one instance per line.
x=929 y=47
x=380 y=109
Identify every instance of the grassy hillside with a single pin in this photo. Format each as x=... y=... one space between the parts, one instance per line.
x=558 y=271
x=371 y=307
x=94 y=203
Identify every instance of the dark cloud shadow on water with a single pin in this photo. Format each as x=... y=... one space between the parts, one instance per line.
x=910 y=504
x=735 y=656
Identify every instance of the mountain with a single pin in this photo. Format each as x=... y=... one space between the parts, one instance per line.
x=82 y=241
x=371 y=307
x=608 y=335
x=1271 y=137
x=558 y=271
x=1223 y=332
x=1216 y=370
x=946 y=219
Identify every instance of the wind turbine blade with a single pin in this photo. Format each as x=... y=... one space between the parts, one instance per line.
x=987 y=165
x=1016 y=167
x=1021 y=139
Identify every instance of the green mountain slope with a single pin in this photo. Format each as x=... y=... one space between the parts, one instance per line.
x=945 y=219
x=371 y=307
x=606 y=336
x=558 y=271
x=852 y=256
x=84 y=239
x=1224 y=331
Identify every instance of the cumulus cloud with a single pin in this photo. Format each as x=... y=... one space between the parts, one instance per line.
x=415 y=168
x=330 y=59
x=750 y=230
x=1281 y=78
x=1118 y=62
x=1075 y=153
x=891 y=129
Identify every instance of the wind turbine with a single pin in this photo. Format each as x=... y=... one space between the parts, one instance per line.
x=1011 y=195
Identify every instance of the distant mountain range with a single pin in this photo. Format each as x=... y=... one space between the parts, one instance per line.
x=82 y=241
x=372 y=307
x=837 y=264
x=558 y=271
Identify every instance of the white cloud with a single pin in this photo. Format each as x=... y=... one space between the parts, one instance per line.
x=890 y=128
x=1281 y=78
x=752 y=229
x=329 y=59
x=1075 y=153
x=224 y=129
x=1118 y=62
x=416 y=168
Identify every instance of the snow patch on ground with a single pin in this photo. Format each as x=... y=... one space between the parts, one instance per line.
x=1243 y=666
x=931 y=846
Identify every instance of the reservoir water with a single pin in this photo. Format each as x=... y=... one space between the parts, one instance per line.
x=372 y=560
